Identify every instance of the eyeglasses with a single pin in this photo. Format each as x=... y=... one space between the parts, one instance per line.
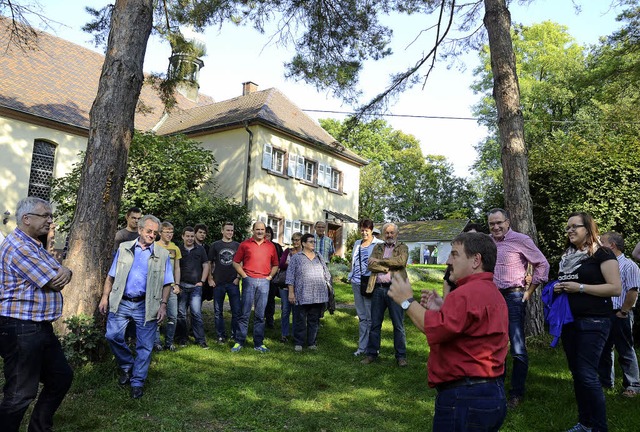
x=573 y=227
x=497 y=223
x=44 y=215
x=311 y=241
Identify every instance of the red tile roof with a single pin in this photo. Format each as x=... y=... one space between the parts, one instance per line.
x=58 y=80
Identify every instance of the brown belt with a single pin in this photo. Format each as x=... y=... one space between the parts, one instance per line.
x=511 y=290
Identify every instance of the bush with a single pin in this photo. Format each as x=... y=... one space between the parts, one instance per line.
x=339 y=271
x=84 y=342
x=415 y=255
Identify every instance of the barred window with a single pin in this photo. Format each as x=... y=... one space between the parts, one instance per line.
x=41 y=169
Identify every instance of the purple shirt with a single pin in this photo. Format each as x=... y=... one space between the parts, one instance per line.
x=515 y=251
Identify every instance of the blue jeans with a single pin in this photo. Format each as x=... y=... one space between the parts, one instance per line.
x=518 y=348
x=170 y=325
x=219 y=292
x=583 y=341
x=190 y=296
x=254 y=294
x=363 y=310
x=145 y=335
x=380 y=301
x=31 y=353
x=621 y=337
x=306 y=323
x=478 y=407
x=286 y=312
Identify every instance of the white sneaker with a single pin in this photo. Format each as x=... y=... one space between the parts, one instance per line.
x=298 y=348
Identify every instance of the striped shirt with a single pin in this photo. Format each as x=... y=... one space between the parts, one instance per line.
x=309 y=279
x=515 y=251
x=630 y=276
x=25 y=268
x=324 y=246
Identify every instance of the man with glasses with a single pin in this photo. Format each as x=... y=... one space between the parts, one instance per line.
x=516 y=251
x=137 y=288
x=31 y=281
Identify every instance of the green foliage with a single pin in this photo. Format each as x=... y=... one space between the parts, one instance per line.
x=414 y=254
x=352 y=237
x=167 y=176
x=84 y=341
x=400 y=183
x=339 y=271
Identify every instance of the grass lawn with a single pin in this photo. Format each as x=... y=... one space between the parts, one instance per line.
x=327 y=390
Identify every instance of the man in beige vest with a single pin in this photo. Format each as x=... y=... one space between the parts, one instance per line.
x=136 y=288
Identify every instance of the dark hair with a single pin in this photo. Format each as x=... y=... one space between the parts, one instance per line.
x=473 y=226
x=616 y=239
x=133 y=210
x=498 y=210
x=202 y=227
x=479 y=243
x=306 y=237
x=188 y=229
x=227 y=223
x=269 y=230
x=593 y=234
x=366 y=224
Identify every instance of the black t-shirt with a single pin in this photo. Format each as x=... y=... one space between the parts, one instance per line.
x=221 y=254
x=191 y=264
x=589 y=273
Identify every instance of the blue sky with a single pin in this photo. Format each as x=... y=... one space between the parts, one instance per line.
x=238 y=54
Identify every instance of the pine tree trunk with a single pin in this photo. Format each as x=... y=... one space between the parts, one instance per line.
x=506 y=93
x=111 y=129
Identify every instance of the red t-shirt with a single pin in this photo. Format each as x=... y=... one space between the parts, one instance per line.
x=468 y=337
x=257 y=259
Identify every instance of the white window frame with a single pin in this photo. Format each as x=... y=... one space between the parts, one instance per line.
x=335 y=180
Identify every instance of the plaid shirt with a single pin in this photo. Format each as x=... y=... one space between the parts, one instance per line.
x=309 y=279
x=515 y=251
x=25 y=268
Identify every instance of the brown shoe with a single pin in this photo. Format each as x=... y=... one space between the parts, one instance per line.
x=514 y=402
x=368 y=360
x=629 y=393
x=403 y=362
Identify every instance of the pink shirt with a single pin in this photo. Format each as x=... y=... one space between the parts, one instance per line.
x=515 y=251
x=386 y=277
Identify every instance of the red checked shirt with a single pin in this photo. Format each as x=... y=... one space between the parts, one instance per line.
x=257 y=259
x=515 y=251
x=468 y=336
x=25 y=268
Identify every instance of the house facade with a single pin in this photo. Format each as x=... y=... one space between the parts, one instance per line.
x=430 y=234
x=272 y=156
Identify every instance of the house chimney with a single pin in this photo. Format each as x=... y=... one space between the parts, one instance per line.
x=249 y=87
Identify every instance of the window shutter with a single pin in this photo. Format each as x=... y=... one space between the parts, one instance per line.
x=267 y=156
x=296 y=226
x=291 y=169
x=327 y=177
x=300 y=169
x=321 y=174
x=287 y=231
x=263 y=218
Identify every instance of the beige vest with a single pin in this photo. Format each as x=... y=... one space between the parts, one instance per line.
x=155 y=278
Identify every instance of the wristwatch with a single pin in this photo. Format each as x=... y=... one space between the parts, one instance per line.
x=405 y=304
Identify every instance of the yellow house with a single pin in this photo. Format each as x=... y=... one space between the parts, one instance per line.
x=272 y=156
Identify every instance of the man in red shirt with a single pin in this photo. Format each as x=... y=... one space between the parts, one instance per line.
x=468 y=336
x=256 y=261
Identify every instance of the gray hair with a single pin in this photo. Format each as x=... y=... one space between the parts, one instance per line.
x=145 y=218
x=28 y=205
x=616 y=239
x=388 y=224
x=498 y=210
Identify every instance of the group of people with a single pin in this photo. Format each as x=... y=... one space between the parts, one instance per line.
x=470 y=328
